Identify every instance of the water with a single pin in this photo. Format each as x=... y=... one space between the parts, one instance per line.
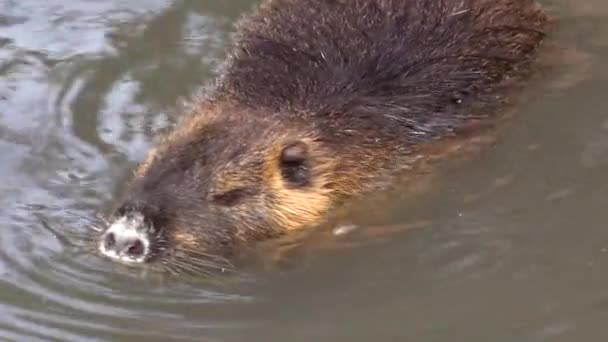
x=514 y=244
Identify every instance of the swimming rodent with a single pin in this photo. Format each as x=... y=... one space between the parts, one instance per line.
x=318 y=102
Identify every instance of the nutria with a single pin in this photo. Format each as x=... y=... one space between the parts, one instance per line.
x=319 y=102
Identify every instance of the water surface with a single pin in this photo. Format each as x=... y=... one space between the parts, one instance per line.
x=514 y=245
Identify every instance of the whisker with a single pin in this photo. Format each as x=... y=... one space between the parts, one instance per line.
x=208 y=264
x=183 y=266
x=198 y=262
x=191 y=270
x=203 y=255
x=171 y=269
x=102 y=218
x=96 y=228
x=196 y=252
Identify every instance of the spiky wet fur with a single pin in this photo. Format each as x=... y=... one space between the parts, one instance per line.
x=361 y=83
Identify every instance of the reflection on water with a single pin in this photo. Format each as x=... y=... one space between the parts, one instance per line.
x=81 y=95
x=514 y=245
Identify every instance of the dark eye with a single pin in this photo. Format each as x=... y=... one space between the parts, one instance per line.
x=232 y=197
x=294 y=164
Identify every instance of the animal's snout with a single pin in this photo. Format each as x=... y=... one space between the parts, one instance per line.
x=126 y=240
x=124 y=245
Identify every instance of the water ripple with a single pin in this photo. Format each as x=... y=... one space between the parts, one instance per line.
x=70 y=129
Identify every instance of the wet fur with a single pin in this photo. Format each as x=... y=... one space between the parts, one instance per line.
x=405 y=62
x=360 y=82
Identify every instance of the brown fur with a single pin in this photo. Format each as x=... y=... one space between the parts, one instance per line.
x=358 y=86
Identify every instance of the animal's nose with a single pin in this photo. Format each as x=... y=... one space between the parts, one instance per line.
x=126 y=240
x=130 y=246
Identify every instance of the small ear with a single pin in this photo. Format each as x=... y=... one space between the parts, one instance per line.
x=294 y=153
x=294 y=166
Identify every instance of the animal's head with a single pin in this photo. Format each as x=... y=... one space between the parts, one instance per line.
x=221 y=179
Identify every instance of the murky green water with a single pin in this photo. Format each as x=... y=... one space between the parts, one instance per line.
x=517 y=249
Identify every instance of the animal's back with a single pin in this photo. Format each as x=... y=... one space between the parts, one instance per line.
x=404 y=67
